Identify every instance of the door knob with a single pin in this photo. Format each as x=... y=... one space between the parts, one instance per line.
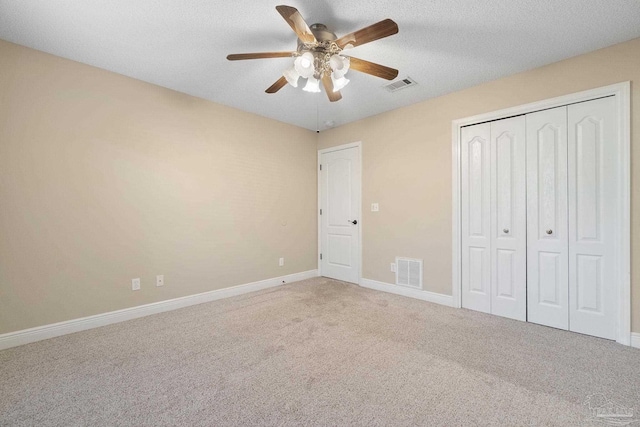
x=549 y=231
x=354 y=222
x=505 y=231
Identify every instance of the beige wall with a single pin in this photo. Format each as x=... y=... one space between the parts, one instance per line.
x=407 y=161
x=104 y=178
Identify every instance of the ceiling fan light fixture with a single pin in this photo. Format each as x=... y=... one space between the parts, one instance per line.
x=313 y=85
x=303 y=65
x=339 y=82
x=319 y=55
x=292 y=76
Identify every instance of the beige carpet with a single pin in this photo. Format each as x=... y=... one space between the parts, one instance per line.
x=318 y=352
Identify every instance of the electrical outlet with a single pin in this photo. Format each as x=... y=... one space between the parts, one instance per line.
x=135 y=284
x=375 y=207
x=281 y=262
x=160 y=280
x=393 y=267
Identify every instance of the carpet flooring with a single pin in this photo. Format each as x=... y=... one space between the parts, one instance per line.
x=319 y=352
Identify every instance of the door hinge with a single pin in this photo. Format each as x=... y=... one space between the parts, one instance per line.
x=320 y=256
x=320 y=166
x=320 y=211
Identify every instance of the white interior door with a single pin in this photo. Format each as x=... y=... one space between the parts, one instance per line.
x=547 y=230
x=476 y=217
x=508 y=219
x=340 y=214
x=593 y=172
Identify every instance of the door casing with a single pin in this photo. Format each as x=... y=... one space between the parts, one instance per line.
x=622 y=93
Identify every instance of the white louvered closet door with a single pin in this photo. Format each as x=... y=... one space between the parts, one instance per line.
x=593 y=213
x=547 y=228
x=508 y=219
x=476 y=217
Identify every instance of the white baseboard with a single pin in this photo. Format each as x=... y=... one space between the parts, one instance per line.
x=635 y=339
x=408 y=292
x=26 y=336
x=439 y=298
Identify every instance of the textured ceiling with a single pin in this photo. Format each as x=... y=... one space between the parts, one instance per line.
x=445 y=45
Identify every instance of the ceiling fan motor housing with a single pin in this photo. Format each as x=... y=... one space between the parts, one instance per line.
x=322 y=33
x=321 y=50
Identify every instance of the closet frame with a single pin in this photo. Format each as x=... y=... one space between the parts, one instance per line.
x=622 y=93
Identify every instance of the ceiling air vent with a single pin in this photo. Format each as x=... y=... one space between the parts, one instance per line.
x=400 y=84
x=409 y=272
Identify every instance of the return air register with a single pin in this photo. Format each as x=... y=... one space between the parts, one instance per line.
x=409 y=272
x=400 y=84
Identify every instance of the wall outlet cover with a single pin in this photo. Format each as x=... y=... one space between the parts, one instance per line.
x=393 y=267
x=160 y=280
x=375 y=207
x=135 y=284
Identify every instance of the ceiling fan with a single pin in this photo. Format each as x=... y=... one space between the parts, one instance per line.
x=320 y=55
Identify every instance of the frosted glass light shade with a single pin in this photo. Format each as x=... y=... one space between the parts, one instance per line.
x=313 y=85
x=292 y=76
x=340 y=65
x=339 y=82
x=303 y=65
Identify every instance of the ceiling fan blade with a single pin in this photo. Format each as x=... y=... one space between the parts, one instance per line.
x=368 y=34
x=373 y=68
x=328 y=87
x=297 y=23
x=260 y=55
x=279 y=84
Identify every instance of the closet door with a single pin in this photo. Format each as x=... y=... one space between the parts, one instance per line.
x=508 y=219
x=476 y=217
x=593 y=151
x=547 y=230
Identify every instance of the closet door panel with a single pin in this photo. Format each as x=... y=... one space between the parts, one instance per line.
x=508 y=218
x=475 y=216
x=547 y=230
x=593 y=151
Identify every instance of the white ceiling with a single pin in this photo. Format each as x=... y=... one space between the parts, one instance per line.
x=445 y=45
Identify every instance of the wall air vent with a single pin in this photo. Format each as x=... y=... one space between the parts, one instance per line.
x=400 y=84
x=409 y=272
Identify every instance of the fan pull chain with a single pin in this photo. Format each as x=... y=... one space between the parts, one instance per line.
x=317 y=116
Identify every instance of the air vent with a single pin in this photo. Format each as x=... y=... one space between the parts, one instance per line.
x=409 y=272
x=400 y=84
